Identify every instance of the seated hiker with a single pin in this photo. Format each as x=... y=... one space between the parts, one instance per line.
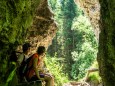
x=24 y=55
x=22 y=58
x=35 y=72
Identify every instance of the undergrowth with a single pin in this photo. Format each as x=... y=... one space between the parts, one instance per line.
x=55 y=68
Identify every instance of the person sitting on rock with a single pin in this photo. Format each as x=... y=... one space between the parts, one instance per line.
x=36 y=72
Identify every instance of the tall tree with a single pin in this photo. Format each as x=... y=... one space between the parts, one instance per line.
x=69 y=13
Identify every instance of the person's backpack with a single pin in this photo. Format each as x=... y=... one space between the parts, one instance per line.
x=14 y=56
x=23 y=69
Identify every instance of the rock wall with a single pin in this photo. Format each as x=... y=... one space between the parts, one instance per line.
x=22 y=21
x=102 y=17
x=106 y=54
x=43 y=28
x=92 y=9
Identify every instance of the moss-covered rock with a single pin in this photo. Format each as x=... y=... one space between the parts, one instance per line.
x=106 y=54
x=21 y=21
x=16 y=17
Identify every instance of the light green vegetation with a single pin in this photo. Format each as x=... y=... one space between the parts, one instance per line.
x=55 y=68
x=75 y=41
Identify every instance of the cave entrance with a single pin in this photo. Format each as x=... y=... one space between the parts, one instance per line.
x=75 y=45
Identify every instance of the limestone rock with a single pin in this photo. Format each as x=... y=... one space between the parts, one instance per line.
x=92 y=9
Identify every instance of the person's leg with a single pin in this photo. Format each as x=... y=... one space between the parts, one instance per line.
x=49 y=80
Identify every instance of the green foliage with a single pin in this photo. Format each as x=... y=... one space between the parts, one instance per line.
x=75 y=40
x=55 y=68
x=82 y=63
x=68 y=9
x=52 y=3
x=86 y=48
x=94 y=76
x=16 y=17
x=12 y=73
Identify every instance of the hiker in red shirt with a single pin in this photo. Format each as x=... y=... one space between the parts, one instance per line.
x=35 y=72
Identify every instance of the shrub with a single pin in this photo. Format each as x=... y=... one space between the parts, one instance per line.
x=55 y=68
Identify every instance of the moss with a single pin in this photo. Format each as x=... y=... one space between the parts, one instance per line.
x=16 y=16
x=95 y=77
x=106 y=56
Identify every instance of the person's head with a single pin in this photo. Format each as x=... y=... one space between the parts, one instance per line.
x=41 y=50
x=26 y=47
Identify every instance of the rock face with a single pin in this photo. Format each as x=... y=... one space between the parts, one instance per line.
x=92 y=9
x=105 y=26
x=106 y=54
x=44 y=27
x=17 y=27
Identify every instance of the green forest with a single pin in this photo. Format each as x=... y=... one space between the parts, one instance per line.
x=74 y=49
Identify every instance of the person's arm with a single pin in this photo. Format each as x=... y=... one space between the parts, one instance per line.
x=35 y=61
x=20 y=59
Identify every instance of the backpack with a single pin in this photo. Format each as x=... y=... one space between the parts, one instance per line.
x=23 y=69
x=14 y=56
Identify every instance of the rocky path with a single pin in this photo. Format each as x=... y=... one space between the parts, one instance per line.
x=76 y=84
x=82 y=83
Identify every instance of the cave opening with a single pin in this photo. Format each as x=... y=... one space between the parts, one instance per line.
x=75 y=45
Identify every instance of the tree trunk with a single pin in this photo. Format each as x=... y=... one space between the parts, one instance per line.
x=106 y=54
